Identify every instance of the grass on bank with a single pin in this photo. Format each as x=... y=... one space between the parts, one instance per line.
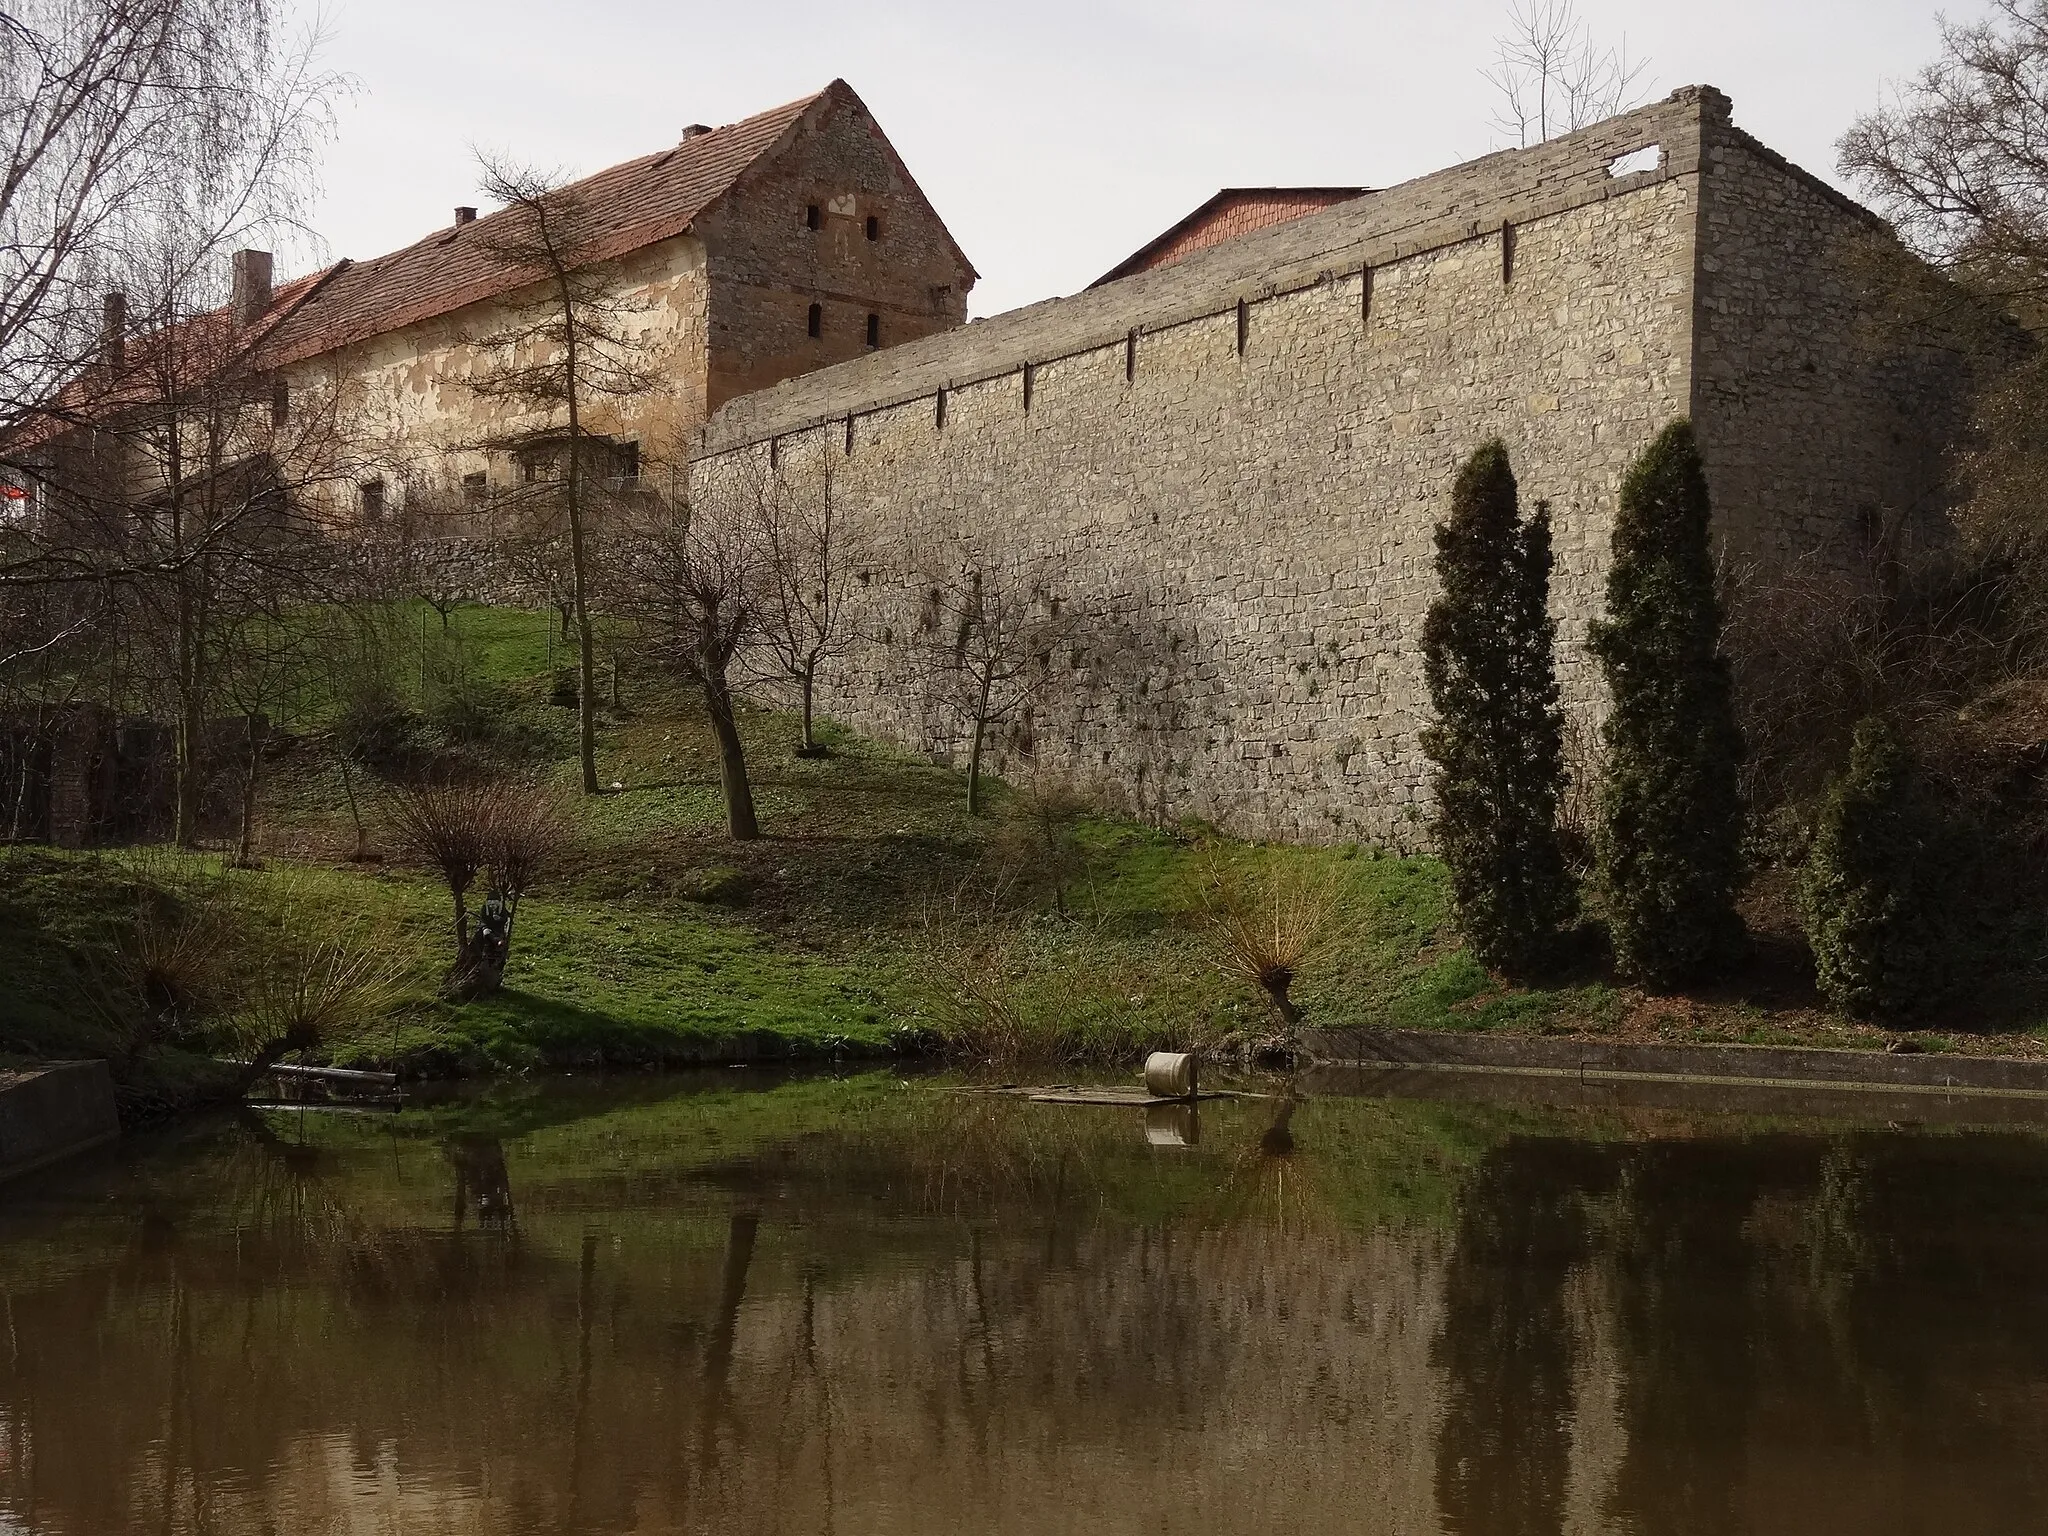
x=876 y=915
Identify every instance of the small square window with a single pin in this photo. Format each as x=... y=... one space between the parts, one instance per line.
x=874 y=330
x=874 y=227
x=815 y=322
x=814 y=217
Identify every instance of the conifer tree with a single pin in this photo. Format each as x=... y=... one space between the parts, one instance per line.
x=1498 y=739
x=1877 y=893
x=1669 y=843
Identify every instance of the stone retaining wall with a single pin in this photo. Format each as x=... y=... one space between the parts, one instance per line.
x=54 y=1112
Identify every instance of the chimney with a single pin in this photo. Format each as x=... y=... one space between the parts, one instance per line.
x=695 y=131
x=464 y=216
x=252 y=285
x=114 y=331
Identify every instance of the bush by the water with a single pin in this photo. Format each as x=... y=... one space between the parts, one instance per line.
x=1498 y=742
x=1880 y=893
x=1669 y=844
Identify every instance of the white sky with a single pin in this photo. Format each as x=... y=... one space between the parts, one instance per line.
x=1054 y=136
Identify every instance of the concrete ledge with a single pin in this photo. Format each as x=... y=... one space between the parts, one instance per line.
x=1751 y=1065
x=54 y=1112
x=1522 y=1088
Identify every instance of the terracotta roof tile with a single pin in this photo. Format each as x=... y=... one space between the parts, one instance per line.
x=620 y=209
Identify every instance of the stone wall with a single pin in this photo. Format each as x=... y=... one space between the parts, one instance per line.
x=1240 y=458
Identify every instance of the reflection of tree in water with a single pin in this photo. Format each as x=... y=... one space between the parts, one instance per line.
x=481 y=1182
x=1506 y=1346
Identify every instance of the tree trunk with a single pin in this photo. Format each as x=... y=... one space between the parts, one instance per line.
x=740 y=821
x=974 y=750
x=810 y=684
x=245 y=855
x=586 y=695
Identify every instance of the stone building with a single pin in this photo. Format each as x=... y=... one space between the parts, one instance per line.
x=1236 y=459
x=733 y=259
x=738 y=257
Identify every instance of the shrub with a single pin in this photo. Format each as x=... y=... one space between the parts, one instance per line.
x=1670 y=835
x=1879 y=893
x=1498 y=740
x=480 y=826
x=1263 y=922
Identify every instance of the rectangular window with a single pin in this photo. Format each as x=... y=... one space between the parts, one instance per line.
x=626 y=461
x=816 y=322
x=474 y=488
x=280 y=402
x=874 y=330
x=372 y=494
x=814 y=217
x=874 y=227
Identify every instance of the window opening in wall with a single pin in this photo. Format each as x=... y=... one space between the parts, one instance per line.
x=280 y=403
x=814 y=217
x=1365 y=294
x=849 y=437
x=775 y=453
x=1647 y=159
x=874 y=330
x=1244 y=325
x=372 y=494
x=1507 y=252
x=474 y=487
x=939 y=409
x=874 y=227
x=1130 y=354
x=626 y=460
x=815 y=323
x=1030 y=378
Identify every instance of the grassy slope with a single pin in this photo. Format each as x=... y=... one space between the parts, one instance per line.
x=659 y=941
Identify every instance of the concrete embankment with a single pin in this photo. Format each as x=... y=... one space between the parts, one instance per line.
x=1736 y=1078
x=48 y=1113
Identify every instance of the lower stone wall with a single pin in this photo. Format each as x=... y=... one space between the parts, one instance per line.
x=54 y=1112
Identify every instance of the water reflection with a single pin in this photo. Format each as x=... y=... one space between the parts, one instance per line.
x=855 y=1307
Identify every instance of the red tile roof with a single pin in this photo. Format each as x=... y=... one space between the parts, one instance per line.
x=1231 y=212
x=618 y=210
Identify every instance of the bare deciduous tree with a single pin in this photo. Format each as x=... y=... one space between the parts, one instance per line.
x=693 y=586
x=569 y=349
x=1958 y=160
x=807 y=555
x=464 y=828
x=995 y=633
x=1553 y=77
x=122 y=116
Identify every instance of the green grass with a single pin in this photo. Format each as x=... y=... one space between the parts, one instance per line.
x=875 y=912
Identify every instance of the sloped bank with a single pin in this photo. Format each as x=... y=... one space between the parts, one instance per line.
x=53 y=1112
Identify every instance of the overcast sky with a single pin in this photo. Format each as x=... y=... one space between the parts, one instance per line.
x=1054 y=136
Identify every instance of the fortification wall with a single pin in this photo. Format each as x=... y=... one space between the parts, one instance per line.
x=1824 y=410
x=1237 y=462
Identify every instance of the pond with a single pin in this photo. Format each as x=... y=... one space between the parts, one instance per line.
x=725 y=1304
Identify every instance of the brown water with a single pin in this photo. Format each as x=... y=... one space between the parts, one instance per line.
x=858 y=1307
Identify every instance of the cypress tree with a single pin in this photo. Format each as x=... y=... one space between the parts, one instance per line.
x=1669 y=843
x=1878 y=896
x=1498 y=740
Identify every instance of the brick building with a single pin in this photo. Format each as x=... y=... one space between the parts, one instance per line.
x=1231 y=212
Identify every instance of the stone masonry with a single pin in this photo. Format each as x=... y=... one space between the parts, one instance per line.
x=1238 y=460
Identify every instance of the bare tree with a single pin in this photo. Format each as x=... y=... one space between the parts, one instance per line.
x=1553 y=77
x=498 y=828
x=693 y=594
x=1958 y=160
x=569 y=349
x=808 y=553
x=995 y=634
